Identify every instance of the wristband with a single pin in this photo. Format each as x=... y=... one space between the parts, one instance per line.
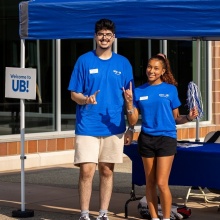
x=86 y=100
x=187 y=118
x=130 y=111
x=131 y=129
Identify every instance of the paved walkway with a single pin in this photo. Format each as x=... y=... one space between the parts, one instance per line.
x=52 y=194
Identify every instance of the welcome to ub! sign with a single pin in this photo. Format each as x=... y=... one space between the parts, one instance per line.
x=20 y=83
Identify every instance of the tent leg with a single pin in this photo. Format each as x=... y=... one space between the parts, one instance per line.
x=22 y=213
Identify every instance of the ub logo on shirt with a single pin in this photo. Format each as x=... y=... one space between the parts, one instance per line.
x=116 y=72
x=164 y=95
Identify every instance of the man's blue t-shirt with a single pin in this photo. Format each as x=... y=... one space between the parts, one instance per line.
x=156 y=104
x=91 y=74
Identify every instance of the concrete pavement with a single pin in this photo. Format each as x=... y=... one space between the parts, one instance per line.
x=52 y=194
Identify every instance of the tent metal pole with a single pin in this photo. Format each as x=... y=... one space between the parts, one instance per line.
x=115 y=46
x=210 y=81
x=39 y=72
x=22 y=132
x=164 y=47
x=58 y=85
x=53 y=84
x=198 y=83
x=22 y=212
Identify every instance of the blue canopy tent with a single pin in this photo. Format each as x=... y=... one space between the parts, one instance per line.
x=152 y=19
x=149 y=19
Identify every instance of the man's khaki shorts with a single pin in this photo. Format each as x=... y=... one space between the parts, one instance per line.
x=89 y=149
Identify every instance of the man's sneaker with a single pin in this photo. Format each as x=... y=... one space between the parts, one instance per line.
x=102 y=217
x=84 y=218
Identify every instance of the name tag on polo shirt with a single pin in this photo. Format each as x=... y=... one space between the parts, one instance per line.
x=93 y=71
x=144 y=98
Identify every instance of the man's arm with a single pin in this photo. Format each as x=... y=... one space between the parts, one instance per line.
x=79 y=98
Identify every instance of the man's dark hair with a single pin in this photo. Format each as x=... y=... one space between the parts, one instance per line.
x=105 y=24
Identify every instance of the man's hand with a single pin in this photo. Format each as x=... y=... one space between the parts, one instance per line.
x=128 y=137
x=92 y=99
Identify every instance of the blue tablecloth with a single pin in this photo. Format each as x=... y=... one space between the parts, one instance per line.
x=192 y=166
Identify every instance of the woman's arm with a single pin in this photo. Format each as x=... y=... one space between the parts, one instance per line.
x=182 y=119
x=132 y=112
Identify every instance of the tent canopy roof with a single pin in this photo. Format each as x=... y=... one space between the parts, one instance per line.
x=151 y=19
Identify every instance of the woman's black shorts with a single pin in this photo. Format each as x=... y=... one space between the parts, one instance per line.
x=156 y=146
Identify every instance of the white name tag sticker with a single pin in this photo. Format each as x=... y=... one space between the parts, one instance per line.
x=144 y=98
x=93 y=71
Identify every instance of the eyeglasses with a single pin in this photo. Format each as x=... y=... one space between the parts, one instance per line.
x=107 y=35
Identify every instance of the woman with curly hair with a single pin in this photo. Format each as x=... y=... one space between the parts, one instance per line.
x=157 y=101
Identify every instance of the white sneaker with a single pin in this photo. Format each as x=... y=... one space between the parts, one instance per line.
x=102 y=217
x=84 y=218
